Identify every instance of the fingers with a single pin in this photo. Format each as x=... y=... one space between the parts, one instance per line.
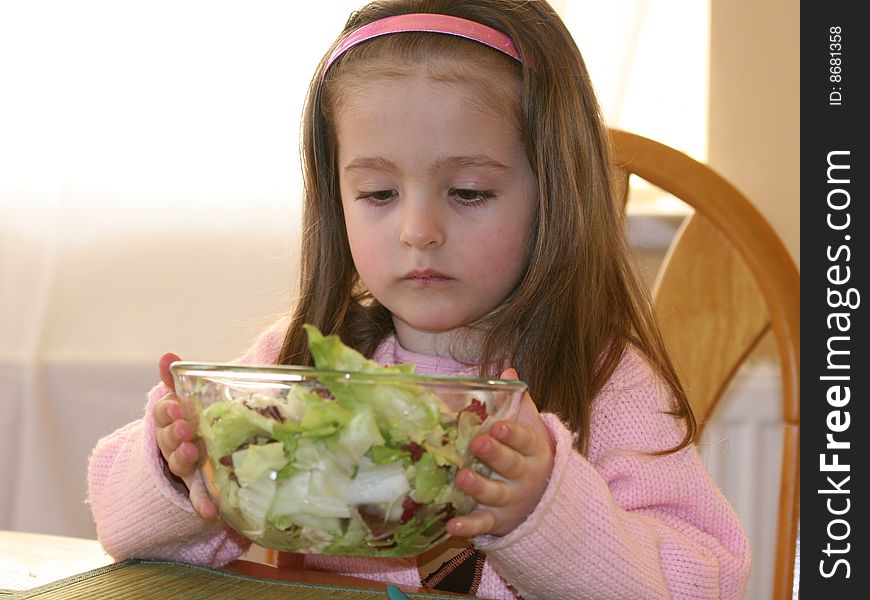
x=175 y=439
x=184 y=459
x=199 y=498
x=505 y=460
x=492 y=492
x=516 y=436
x=165 y=374
x=166 y=410
x=520 y=453
x=175 y=436
x=479 y=522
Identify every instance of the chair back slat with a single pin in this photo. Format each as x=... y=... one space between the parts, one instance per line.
x=711 y=312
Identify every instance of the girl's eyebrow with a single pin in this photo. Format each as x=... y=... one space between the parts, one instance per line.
x=366 y=163
x=442 y=164
x=476 y=160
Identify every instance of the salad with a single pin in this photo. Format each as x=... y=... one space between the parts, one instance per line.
x=339 y=463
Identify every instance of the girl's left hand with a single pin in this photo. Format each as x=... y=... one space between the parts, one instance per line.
x=521 y=455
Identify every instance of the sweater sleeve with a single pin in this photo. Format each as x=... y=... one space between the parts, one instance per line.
x=139 y=511
x=624 y=523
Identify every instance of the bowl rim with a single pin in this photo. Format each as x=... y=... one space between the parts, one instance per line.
x=297 y=373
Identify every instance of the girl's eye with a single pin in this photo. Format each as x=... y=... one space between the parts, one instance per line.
x=468 y=197
x=378 y=197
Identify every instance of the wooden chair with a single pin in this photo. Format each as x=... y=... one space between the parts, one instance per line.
x=725 y=282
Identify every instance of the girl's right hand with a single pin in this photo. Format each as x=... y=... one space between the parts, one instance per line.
x=175 y=439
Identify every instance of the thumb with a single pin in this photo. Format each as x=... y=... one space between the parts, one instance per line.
x=510 y=373
x=165 y=374
x=522 y=409
x=528 y=412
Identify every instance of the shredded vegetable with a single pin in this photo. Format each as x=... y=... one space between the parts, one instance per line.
x=337 y=467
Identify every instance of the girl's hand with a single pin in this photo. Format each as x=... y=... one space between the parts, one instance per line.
x=175 y=440
x=521 y=455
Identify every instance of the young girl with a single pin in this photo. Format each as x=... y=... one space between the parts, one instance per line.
x=459 y=216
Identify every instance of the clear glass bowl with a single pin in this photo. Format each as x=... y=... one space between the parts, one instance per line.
x=330 y=462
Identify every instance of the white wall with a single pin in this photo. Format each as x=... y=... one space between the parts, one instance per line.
x=755 y=106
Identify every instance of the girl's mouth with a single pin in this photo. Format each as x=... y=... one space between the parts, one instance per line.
x=427 y=277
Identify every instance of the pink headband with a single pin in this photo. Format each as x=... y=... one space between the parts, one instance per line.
x=426 y=22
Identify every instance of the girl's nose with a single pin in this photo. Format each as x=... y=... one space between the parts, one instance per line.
x=422 y=227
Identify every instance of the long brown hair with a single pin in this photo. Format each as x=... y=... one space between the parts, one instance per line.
x=579 y=303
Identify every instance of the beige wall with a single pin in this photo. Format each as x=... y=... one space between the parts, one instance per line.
x=754 y=135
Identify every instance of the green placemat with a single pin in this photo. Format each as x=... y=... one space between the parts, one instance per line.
x=134 y=579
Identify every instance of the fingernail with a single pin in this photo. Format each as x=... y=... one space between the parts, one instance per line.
x=499 y=431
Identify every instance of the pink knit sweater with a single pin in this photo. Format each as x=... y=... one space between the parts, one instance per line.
x=618 y=523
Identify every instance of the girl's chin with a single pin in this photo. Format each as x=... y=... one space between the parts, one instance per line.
x=436 y=320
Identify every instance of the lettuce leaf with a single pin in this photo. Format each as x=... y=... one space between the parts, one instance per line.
x=349 y=467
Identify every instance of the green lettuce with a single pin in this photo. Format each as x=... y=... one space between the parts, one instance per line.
x=355 y=467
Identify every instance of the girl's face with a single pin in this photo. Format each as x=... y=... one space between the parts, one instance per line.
x=438 y=196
